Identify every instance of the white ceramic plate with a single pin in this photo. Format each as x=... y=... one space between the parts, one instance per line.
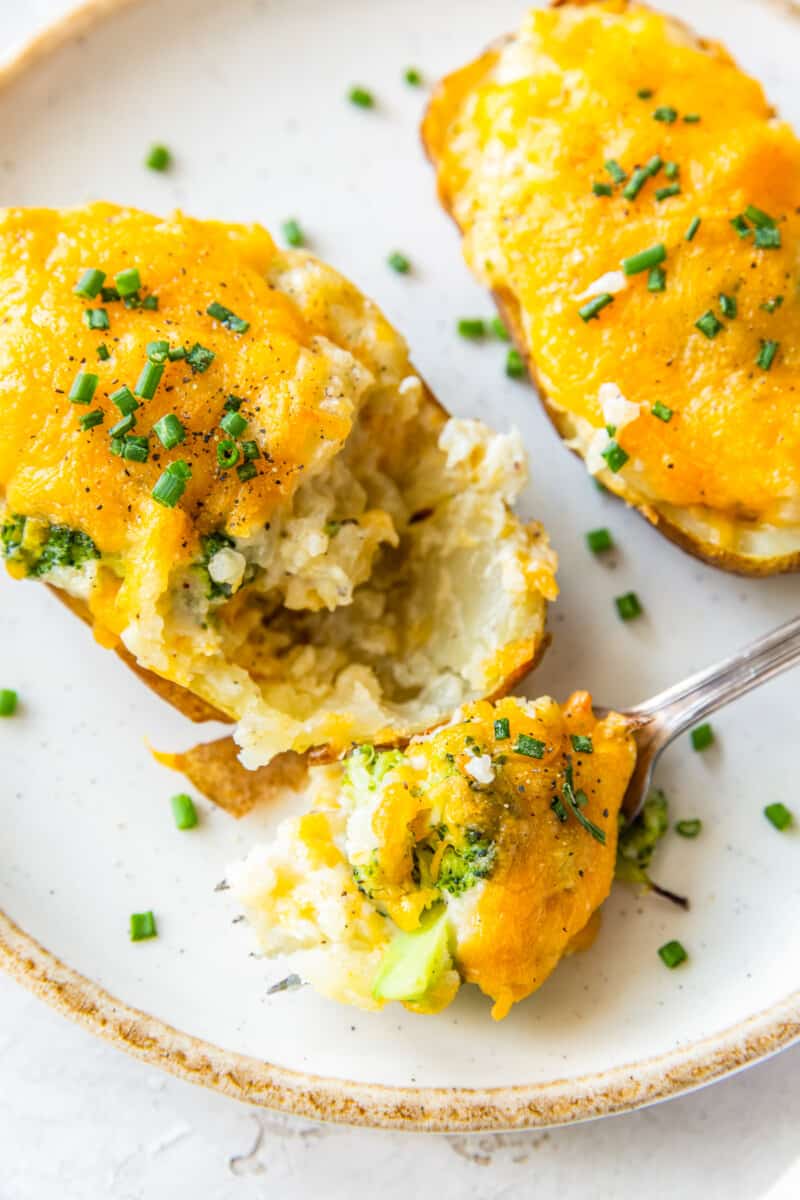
x=251 y=96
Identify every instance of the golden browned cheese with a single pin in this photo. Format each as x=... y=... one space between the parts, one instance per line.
x=518 y=139
x=550 y=873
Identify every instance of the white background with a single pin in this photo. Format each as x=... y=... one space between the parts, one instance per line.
x=79 y=1119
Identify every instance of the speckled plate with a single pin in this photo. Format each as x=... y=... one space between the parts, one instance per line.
x=251 y=96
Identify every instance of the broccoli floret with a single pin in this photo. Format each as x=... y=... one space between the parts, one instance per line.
x=638 y=840
x=12 y=532
x=367 y=766
x=462 y=867
x=41 y=547
x=211 y=543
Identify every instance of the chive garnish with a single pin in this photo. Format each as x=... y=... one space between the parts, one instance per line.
x=109 y=295
x=645 y=259
x=412 y=76
x=233 y=424
x=740 y=225
x=157 y=352
x=692 y=118
x=628 y=606
x=662 y=411
x=766 y=355
x=576 y=801
x=664 y=193
x=602 y=189
x=728 y=305
x=136 y=449
x=779 y=816
x=176 y=352
x=158 y=158
x=582 y=743
x=702 y=737
x=771 y=305
x=638 y=179
x=199 y=358
x=502 y=729
x=666 y=114
x=645 y=93
x=671 y=170
x=89 y=283
x=90 y=419
x=233 y=403
x=103 y=352
x=96 y=318
x=709 y=325
x=184 y=811
x=150 y=302
x=759 y=218
x=531 y=747
x=599 y=540
x=361 y=97
x=292 y=233
x=398 y=262
x=83 y=388
x=656 y=279
x=149 y=379
x=169 y=431
x=615 y=456
x=125 y=425
x=692 y=230
x=128 y=282
x=247 y=470
x=227 y=318
x=672 y=954
x=768 y=237
x=593 y=308
x=171 y=484
x=689 y=828
x=124 y=399
x=227 y=454
x=8 y=702
x=499 y=330
x=471 y=327
x=250 y=450
x=143 y=925
x=515 y=365
x=615 y=170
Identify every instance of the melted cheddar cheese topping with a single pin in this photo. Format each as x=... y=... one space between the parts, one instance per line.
x=520 y=136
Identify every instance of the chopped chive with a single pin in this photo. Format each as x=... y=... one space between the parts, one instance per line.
x=502 y=729
x=169 y=487
x=180 y=468
x=662 y=411
x=8 y=702
x=116 y=445
x=233 y=424
x=615 y=171
x=645 y=259
x=136 y=449
x=708 y=325
x=89 y=283
x=184 y=811
x=125 y=401
x=638 y=179
x=771 y=305
x=690 y=828
x=671 y=170
x=656 y=279
x=557 y=805
x=250 y=451
x=602 y=189
x=599 y=540
x=103 y=352
x=157 y=352
x=471 y=327
x=96 y=318
x=247 y=470
x=90 y=419
x=757 y=217
x=672 y=954
x=664 y=193
x=628 y=606
x=531 y=747
x=227 y=454
x=768 y=237
x=199 y=358
x=499 y=330
x=593 y=308
x=779 y=815
x=666 y=114
x=361 y=97
x=412 y=76
x=233 y=403
x=766 y=355
x=398 y=262
x=692 y=230
x=741 y=226
x=582 y=744
x=176 y=352
x=158 y=158
x=83 y=388
x=515 y=365
x=645 y=93
x=654 y=165
x=292 y=233
x=692 y=118
x=227 y=318
x=728 y=306
x=150 y=302
x=702 y=737
x=148 y=380
x=143 y=925
x=615 y=456
x=122 y=427
x=128 y=282
x=169 y=431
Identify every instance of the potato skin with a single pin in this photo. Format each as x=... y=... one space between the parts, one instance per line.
x=717 y=543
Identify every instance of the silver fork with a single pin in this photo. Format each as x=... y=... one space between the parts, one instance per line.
x=659 y=721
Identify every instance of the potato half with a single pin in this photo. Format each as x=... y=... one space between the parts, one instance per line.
x=220 y=453
x=597 y=132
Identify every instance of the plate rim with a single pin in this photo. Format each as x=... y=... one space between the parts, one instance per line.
x=351 y=1102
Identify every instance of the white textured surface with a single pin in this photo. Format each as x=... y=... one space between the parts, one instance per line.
x=79 y=1119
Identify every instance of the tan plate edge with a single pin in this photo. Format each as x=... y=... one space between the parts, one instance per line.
x=347 y=1101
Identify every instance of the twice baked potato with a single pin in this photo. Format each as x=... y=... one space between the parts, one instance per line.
x=630 y=198
x=219 y=452
x=480 y=854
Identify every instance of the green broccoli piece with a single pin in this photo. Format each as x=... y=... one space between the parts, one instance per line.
x=637 y=845
x=64 y=547
x=366 y=768
x=462 y=867
x=12 y=533
x=414 y=963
